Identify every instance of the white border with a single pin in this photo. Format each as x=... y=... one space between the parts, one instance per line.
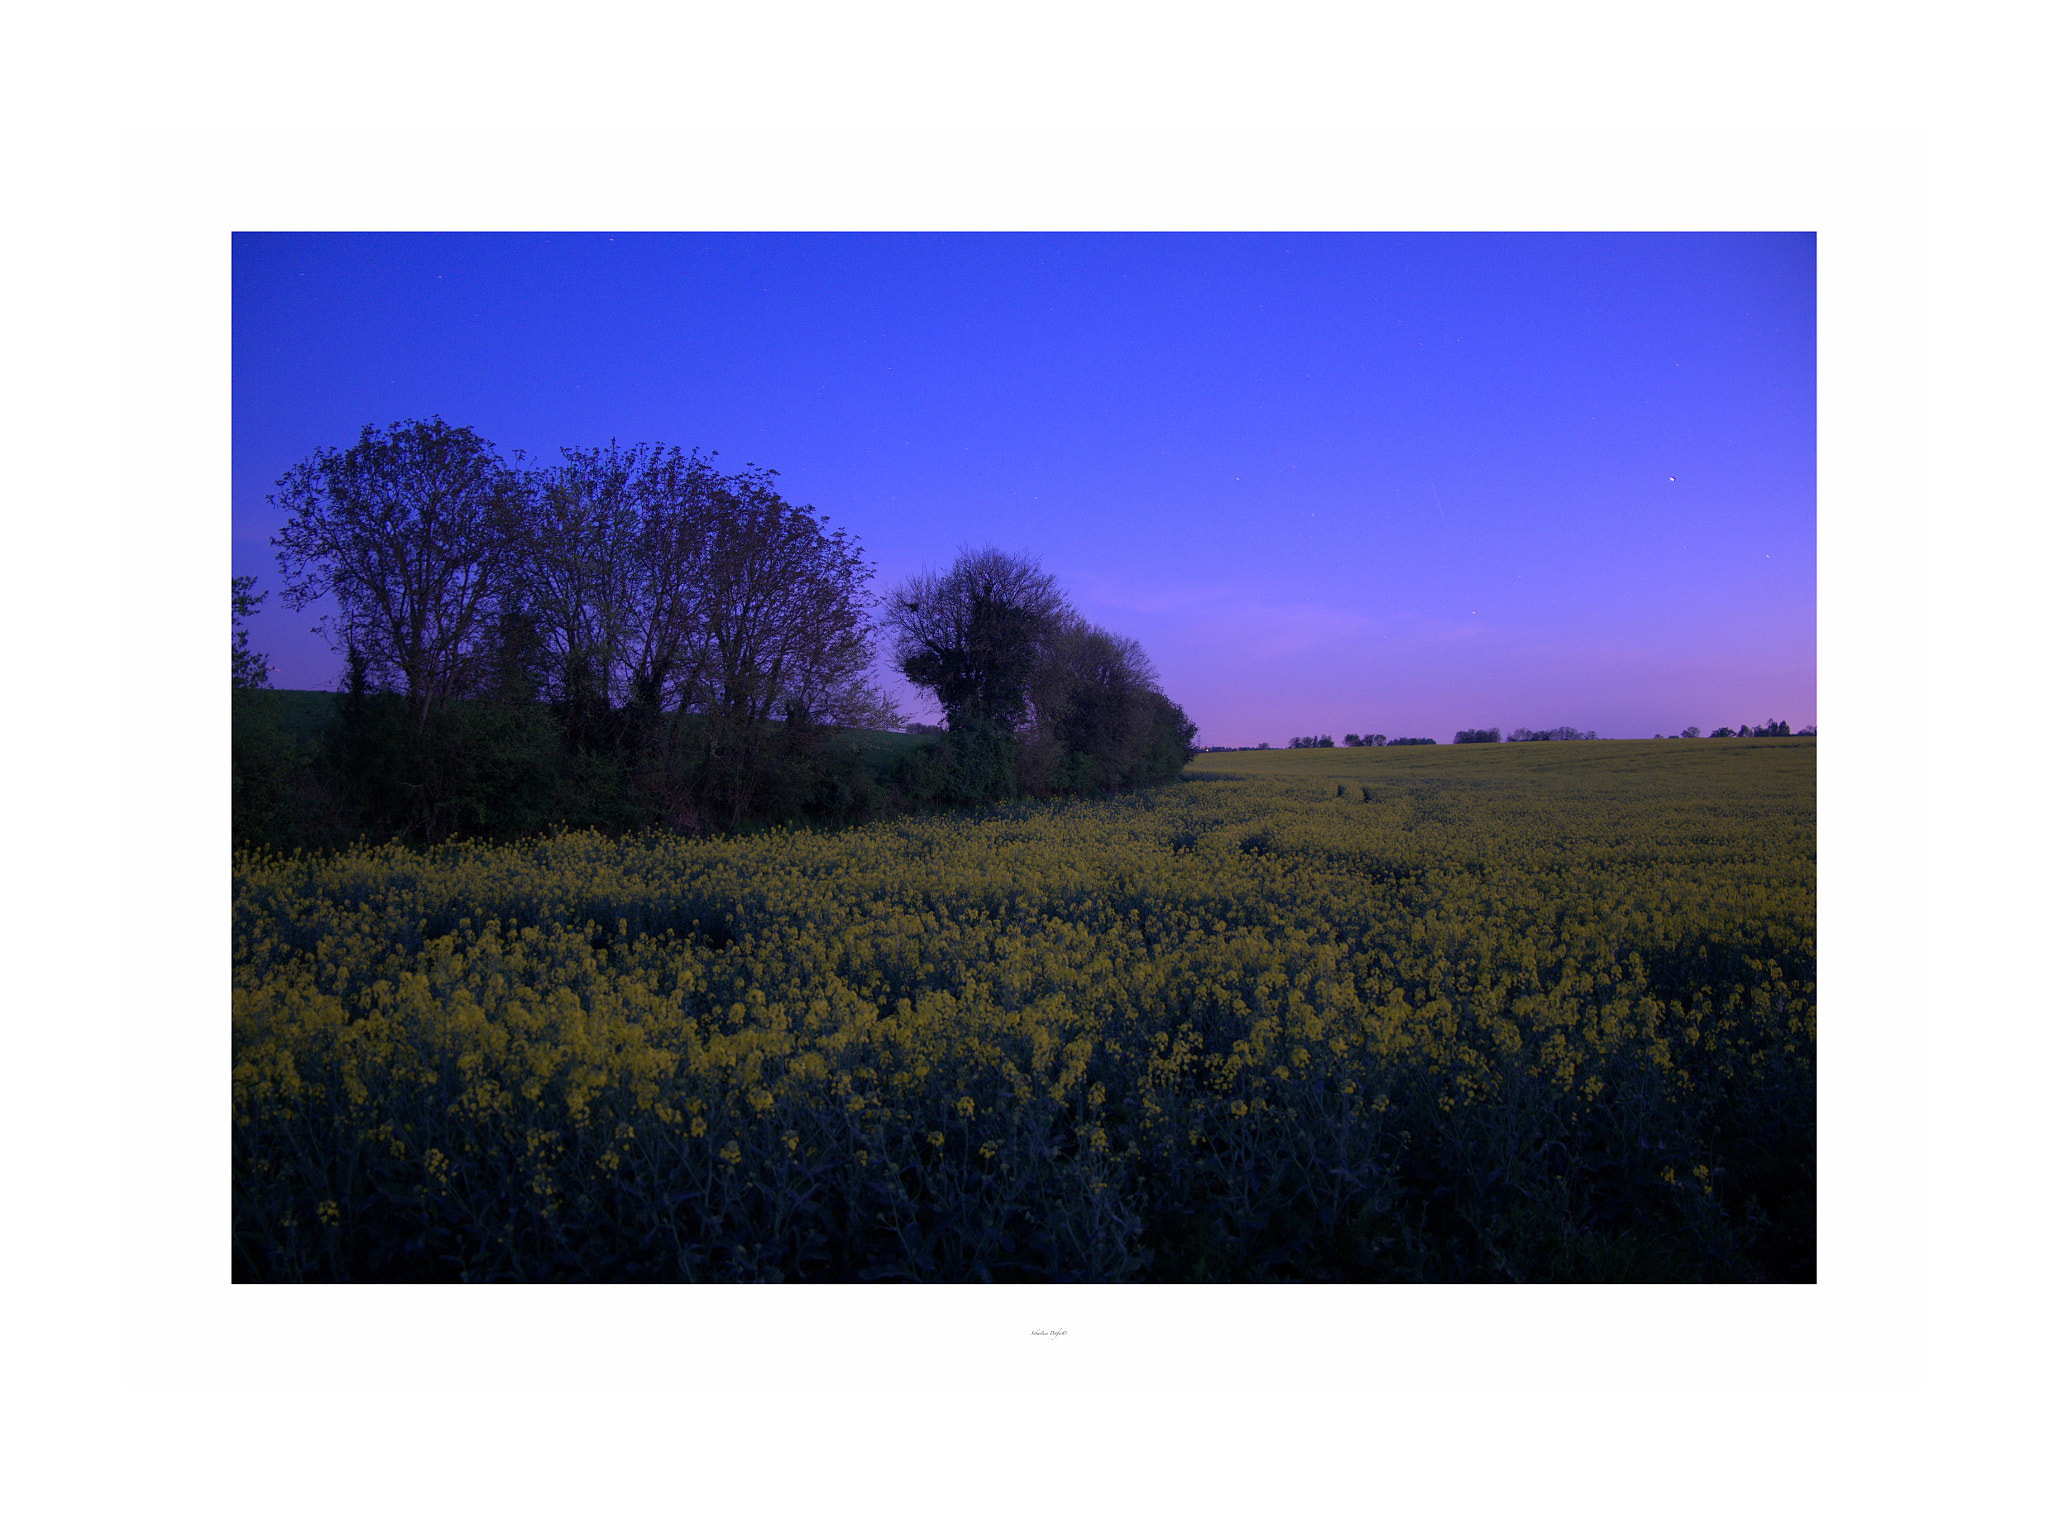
x=1684 y=1399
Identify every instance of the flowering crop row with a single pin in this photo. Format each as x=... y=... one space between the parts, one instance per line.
x=1521 y=1012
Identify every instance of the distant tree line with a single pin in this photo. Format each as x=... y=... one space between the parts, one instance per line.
x=631 y=637
x=1353 y=739
x=1519 y=734
x=1766 y=728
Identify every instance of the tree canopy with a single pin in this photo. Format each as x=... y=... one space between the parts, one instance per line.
x=615 y=574
x=975 y=635
x=411 y=532
x=1035 y=698
x=631 y=635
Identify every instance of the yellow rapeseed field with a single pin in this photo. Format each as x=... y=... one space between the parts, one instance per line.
x=1535 y=1010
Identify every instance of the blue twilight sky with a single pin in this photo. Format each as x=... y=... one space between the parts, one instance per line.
x=1332 y=482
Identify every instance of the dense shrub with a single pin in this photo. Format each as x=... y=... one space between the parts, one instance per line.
x=500 y=770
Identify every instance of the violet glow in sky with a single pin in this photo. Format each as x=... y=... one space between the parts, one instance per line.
x=1332 y=482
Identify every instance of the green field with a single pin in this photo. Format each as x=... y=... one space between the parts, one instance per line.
x=1535 y=1011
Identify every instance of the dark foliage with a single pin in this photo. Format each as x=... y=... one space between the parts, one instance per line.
x=630 y=638
x=498 y=770
x=977 y=635
x=1037 y=701
x=251 y=671
x=411 y=535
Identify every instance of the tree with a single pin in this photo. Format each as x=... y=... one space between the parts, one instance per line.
x=658 y=582
x=974 y=635
x=252 y=670
x=1098 y=719
x=783 y=612
x=578 y=575
x=1690 y=731
x=1036 y=699
x=411 y=532
x=1478 y=734
x=771 y=627
x=1084 y=719
x=677 y=497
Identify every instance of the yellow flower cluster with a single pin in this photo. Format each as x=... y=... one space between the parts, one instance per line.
x=1082 y=984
